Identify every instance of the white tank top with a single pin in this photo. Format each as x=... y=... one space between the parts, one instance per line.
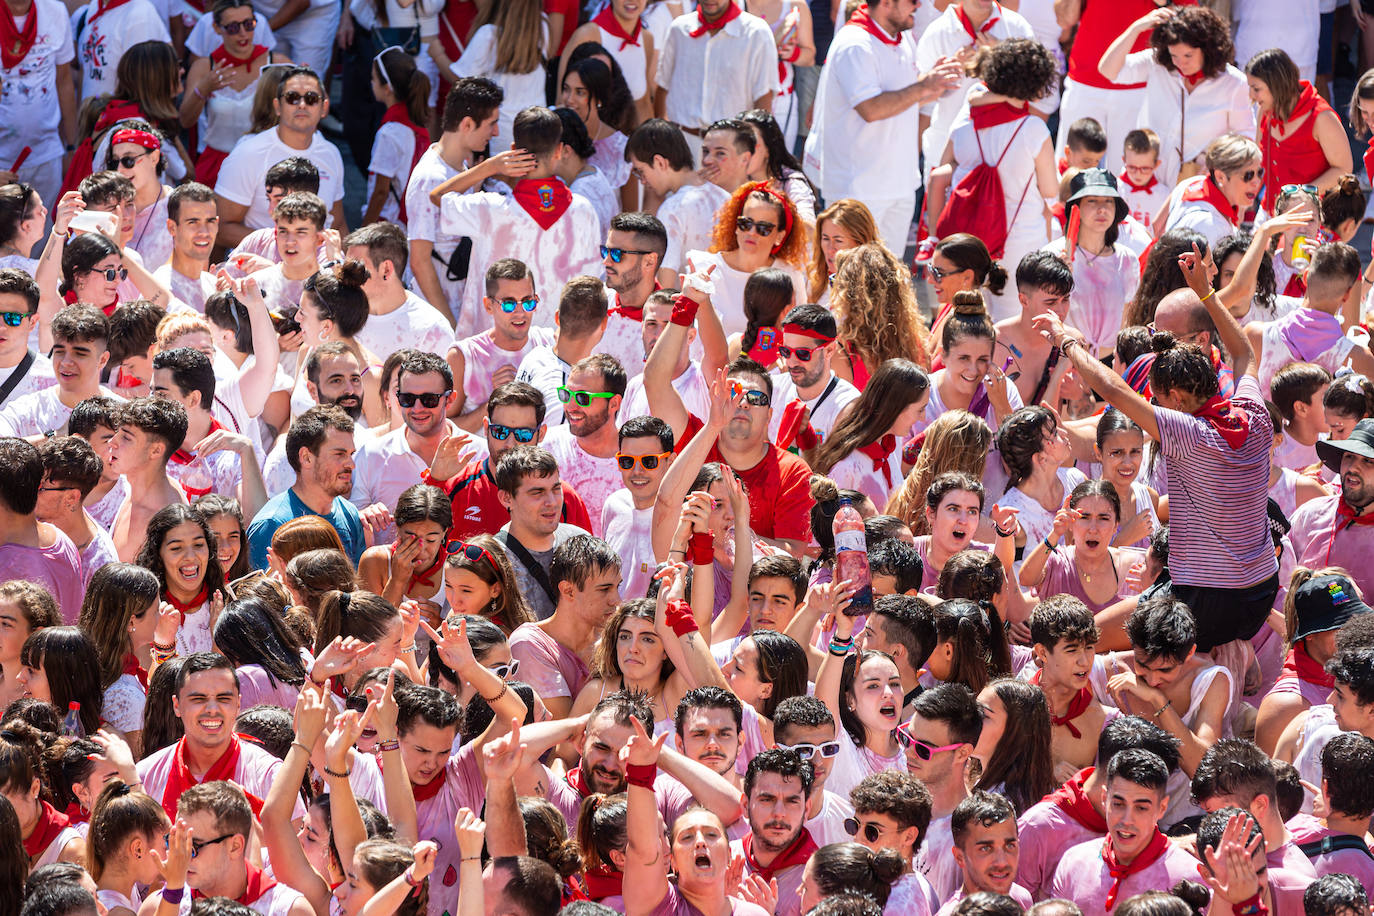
x=632 y=61
x=54 y=850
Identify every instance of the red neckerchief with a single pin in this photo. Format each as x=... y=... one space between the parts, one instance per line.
x=1296 y=287
x=187 y=608
x=880 y=452
x=544 y=199
x=1073 y=801
x=424 y=577
x=132 y=666
x=51 y=822
x=863 y=20
x=180 y=778
x=634 y=314
x=397 y=114
x=1369 y=157
x=429 y=789
x=1194 y=79
x=1158 y=845
x=75 y=814
x=796 y=854
x=1077 y=706
x=967 y=23
x=574 y=779
x=1154 y=180
x=1304 y=667
x=1231 y=423
x=601 y=883
x=182 y=456
x=14 y=44
x=258 y=884
x=985 y=116
x=606 y=19
x=1207 y=191
x=1346 y=517
x=102 y=8
x=222 y=56
x=732 y=12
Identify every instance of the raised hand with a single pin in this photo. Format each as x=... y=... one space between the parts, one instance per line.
x=339 y=657
x=384 y=712
x=425 y=853
x=1232 y=865
x=347 y=728
x=1004 y=517
x=505 y=756
x=452 y=643
x=1195 y=272
x=641 y=750
x=471 y=832
x=115 y=751
x=168 y=623
x=177 y=859
x=311 y=711
x=450 y=457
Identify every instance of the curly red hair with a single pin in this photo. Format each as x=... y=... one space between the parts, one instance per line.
x=793 y=246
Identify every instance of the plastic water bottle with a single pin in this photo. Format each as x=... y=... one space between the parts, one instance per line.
x=71 y=723
x=851 y=557
x=196 y=480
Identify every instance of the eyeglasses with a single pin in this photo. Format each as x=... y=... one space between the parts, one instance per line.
x=648 y=462
x=529 y=304
x=1250 y=175
x=618 y=254
x=233 y=28
x=128 y=162
x=802 y=353
x=924 y=749
x=293 y=97
x=502 y=433
x=198 y=846
x=758 y=227
x=871 y=829
x=809 y=751
x=753 y=396
x=109 y=273
x=430 y=399
x=581 y=398
x=472 y=552
x=506 y=671
x=14 y=319
x=55 y=489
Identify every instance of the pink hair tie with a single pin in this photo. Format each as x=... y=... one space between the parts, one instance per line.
x=140 y=137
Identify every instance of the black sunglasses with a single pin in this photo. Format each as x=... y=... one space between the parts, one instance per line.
x=233 y=28
x=758 y=227
x=430 y=399
x=871 y=830
x=502 y=433
x=618 y=254
x=296 y=98
x=127 y=162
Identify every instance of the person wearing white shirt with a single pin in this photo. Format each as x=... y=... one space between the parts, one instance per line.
x=1212 y=203
x=333 y=376
x=646 y=450
x=1193 y=98
x=582 y=314
x=38 y=97
x=22 y=371
x=301 y=104
x=192 y=221
x=661 y=159
x=689 y=376
x=396 y=317
x=716 y=62
x=104 y=31
x=864 y=99
x=586 y=445
x=632 y=256
x=80 y=334
x=808 y=338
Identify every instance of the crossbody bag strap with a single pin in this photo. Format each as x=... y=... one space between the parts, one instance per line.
x=20 y=373
x=530 y=563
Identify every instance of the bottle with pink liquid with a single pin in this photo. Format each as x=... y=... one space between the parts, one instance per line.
x=851 y=557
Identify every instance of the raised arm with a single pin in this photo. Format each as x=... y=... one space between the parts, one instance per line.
x=1232 y=334
x=255 y=384
x=1117 y=52
x=828 y=678
x=664 y=401
x=1096 y=375
x=48 y=273
x=672 y=491
x=389 y=899
x=502 y=759
x=646 y=865
x=278 y=833
x=677 y=628
x=400 y=798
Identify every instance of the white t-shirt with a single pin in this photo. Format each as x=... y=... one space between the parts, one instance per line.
x=825 y=407
x=39 y=376
x=393 y=150
x=521 y=90
x=594 y=478
x=545 y=370
x=422 y=222
x=593 y=186
x=719 y=74
x=191 y=290
x=243 y=172
x=729 y=296
x=689 y=216
x=482 y=359
x=38 y=412
x=629 y=531
x=101 y=42
x=690 y=386
x=415 y=324
x=29 y=110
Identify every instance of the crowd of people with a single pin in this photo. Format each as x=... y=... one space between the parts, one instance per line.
x=766 y=458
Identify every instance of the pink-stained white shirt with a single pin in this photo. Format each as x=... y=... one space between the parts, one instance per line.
x=463 y=788
x=422 y=222
x=629 y=531
x=672 y=796
x=500 y=228
x=257 y=687
x=552 y=669
x=55 y=848
x=1317 y=541
x=191 y=290
x=1100 y=284
x=56 y=567
x=386 y=467
x=99 y=551
x=39 y=376
x=38 y=412
x=1307 y=829
x=689 y=216
x=415 y=323
x=151 y=239
x=1044 y=833
x=729 y=296
x=1276 y=353
x=674 y=904
x=275 y=901
x=482 y=358
x=1015 y=892
x=595 y=478
x=1083 y=878
x=690 y=386
x=623 y=339
x=789 y=882
x=595 y=188
x=254 y=774
x=858 y=471
x=936 y=862
x=828 y=826
x=911 y=895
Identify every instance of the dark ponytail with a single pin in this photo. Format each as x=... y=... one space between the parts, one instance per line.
x=396 y=69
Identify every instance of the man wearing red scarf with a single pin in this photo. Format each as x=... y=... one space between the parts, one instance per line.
x=641 y=241
x=1338 y=530
x=1213 y=204
x=1134 y=856
x=776 y=788
x=716 y=62
x=38 y=105
x=207 y=703
x=1063 y=642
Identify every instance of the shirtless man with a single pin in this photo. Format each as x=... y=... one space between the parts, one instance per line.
x=1043 y=284
x=1063 y=641
x=150 y=431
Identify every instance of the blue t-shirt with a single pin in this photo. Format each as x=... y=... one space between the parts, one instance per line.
x=280 y=509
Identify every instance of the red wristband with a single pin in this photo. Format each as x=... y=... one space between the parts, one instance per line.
x=796 y=53
x=807 y=438
x=702 y=547
x=679 y=618
x=1251 y=907
x=641 y=774
x=684 y=311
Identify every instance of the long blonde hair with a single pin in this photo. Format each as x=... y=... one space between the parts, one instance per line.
x=519 y=35
x=956 y=441
x=875 y=307
x=856 y=220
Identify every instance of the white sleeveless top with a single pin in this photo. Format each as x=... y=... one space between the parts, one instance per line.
x=112 y=899
x=54 y=850
x=633 y=62
x=1179 y=788
x=228 y=115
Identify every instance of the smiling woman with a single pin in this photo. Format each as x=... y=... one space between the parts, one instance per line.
x=180 y=550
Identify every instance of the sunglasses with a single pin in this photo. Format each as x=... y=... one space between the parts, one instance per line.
x=648 y=462
x=1291 y=188
x=430 y=399
x=110 y=273
x=618 y=254
x=802 y=353
x=14 y=319
x=752 y=396
x=197 y=846
x=529 y=304
x=127 y=162
x=506 y=671
x=939 y=274
x=233 y=28
x=758 y=227
x=1250 y=175
x=809 y=751
x=297 y=98
x=472 y=552
x=924 y=749
x=502 y=433
x=871 y=830
x=581 y=398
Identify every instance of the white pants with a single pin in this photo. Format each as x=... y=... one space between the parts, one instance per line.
x=1117 y=110
x=309 y=38
x=893 y=218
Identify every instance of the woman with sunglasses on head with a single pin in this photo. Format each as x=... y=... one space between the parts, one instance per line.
x=757 y=228
x=411 y=567
x=843 y=225
x=402 y=88
x=1296 y=243
x=1303 y=139
x=479 y=581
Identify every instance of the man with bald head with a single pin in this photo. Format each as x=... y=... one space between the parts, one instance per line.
x=1183 y=315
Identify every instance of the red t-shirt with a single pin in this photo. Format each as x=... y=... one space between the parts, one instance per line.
x=569 y=9
x=778 y=488
x=1102 y=21
x=477 y=510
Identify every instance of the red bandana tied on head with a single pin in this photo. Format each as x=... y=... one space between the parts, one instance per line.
x=15 y=44
x=1303 y=666
x=967 y=23
x=1073 y=801
x=181 y=778
x=222 y=57
x=138 y=137
x=399 y=114
x=796 y=854
x=1230 y=422
x=985 y=116
x=1207 y=191
x=880 y=452
x=863 y=20
x=544 y=199
x=1159 y=844
x=1077 y=706
x=258 y=884
x=606 y=19
x=51 y=822
x=731 y=13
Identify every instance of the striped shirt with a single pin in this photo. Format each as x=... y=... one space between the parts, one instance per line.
x=1218 y=532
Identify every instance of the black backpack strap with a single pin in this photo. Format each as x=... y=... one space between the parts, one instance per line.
x=530 y=563
x=1329 y=844
x=20 y=372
